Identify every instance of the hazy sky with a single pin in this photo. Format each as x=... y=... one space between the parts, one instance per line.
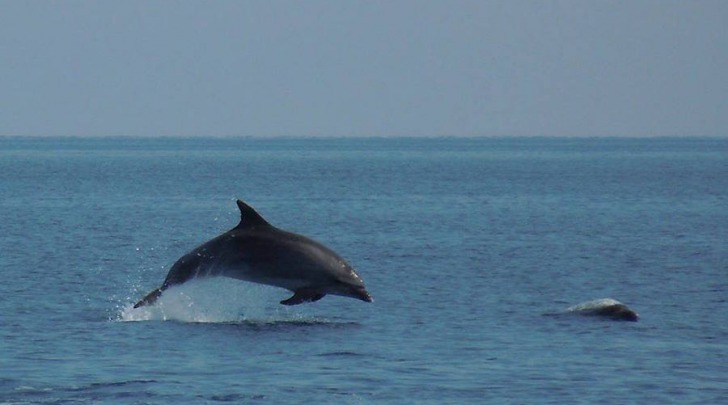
x=364 y=68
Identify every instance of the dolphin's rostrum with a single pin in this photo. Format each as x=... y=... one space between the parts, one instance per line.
x=258 y=252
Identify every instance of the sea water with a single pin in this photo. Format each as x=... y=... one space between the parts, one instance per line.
x=465 y=245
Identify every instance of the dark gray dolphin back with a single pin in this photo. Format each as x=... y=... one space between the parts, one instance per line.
x=606 y=308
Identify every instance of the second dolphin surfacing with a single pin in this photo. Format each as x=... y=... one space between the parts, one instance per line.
x=606 y=308
x=258 y=252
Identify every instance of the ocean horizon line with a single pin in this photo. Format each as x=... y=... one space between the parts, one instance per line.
x=358 y=137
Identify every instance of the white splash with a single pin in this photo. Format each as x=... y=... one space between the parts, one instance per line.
x=214 y=300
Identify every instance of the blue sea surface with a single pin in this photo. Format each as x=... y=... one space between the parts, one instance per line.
x=467 y=246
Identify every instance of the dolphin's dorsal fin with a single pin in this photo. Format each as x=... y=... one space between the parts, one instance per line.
x=249 y=218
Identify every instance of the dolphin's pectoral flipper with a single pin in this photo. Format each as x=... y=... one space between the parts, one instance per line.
x=303 y=295
x=149 y=299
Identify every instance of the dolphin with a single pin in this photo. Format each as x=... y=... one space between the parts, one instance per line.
x=258 y=252
x=605 y=307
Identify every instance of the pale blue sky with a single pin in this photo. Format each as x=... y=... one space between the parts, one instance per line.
x=364 y=68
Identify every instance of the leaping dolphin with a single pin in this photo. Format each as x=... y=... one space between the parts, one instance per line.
x=258 y=252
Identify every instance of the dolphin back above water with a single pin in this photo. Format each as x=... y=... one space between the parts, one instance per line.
x=607 y=308
x=258 y=252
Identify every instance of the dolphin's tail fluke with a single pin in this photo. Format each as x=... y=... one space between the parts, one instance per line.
x=149 y=299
